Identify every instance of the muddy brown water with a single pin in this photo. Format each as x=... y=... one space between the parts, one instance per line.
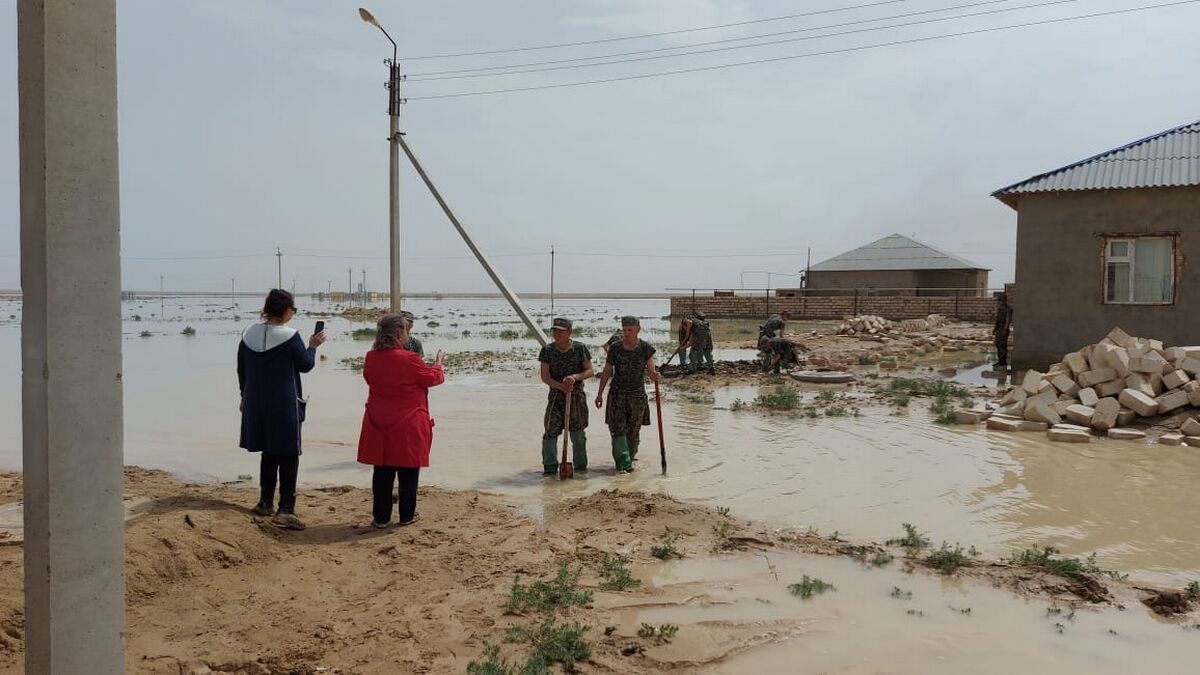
x=736 y=615
x=1133 y=504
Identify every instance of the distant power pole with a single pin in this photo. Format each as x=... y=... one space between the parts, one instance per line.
x=279 y=258
x=162 y=303
x=232 y=293
x=807 y=268
x=551 y=282
x=364 y=288
x=350 y=284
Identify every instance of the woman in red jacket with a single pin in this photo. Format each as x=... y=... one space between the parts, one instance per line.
x=396 y=429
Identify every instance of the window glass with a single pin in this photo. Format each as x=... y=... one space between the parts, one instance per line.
x=1153 y=270
x=1118 y=282
x=1118 y=249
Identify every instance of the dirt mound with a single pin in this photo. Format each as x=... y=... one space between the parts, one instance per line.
x=212 y=588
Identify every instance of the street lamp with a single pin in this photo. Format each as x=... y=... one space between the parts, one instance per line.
x=394 y=101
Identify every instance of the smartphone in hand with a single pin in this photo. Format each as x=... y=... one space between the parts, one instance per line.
x=320 y=327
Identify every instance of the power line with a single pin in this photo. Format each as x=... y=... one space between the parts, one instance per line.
x=649 y=35
x=426 y=77
x=829 y=52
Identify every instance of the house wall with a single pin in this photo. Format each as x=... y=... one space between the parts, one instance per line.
x=892 y=307
x=1059 y=271
x=973 y=280
x=903 y=281
x=819 y=281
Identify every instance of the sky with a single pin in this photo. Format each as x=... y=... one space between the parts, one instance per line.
x=247 y=126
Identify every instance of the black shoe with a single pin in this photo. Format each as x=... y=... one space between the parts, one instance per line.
x=261 y=509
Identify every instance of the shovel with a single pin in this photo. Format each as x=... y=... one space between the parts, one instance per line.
x=565 y=468
x=662 y=444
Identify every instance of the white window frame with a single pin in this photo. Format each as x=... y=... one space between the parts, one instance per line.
x=1130 y=259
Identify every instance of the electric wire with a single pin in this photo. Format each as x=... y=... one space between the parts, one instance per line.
x=844 y=50
x=640 y=36
x=433 y=75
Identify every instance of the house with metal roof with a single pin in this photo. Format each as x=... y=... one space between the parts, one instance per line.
x=899 y=265
x=1105 y=242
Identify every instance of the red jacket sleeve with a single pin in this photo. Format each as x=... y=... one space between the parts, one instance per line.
x=423 y=374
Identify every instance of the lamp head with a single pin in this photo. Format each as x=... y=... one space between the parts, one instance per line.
x=368 y=17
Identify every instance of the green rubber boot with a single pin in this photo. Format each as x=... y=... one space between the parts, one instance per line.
x=579 y=449
x=620 y=451
x=633 y=448
x=550 y=456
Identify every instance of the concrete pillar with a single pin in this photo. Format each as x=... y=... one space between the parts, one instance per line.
x=71 y=336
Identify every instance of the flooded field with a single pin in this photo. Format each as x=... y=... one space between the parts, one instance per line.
x=1131 y=503
x=859 y=477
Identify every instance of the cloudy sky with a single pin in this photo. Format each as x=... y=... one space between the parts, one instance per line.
x=251 y=125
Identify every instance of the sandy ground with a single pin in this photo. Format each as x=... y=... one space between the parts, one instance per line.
x=212 y=588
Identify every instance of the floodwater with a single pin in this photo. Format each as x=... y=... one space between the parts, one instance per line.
x=1133 y=504
x=736 y=615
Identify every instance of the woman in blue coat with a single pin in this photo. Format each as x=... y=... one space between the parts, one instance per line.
x=271 y=357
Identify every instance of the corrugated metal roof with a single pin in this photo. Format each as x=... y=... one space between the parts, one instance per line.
x=895 y=252
x=1167 y=159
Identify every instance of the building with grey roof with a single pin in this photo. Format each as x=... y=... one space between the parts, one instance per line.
x=899 y=265
x=1104 y=242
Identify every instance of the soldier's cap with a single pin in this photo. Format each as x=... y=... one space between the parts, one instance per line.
x=561 y=323
x=699 y=315
x=630 y=321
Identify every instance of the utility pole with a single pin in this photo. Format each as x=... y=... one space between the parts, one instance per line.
x=293 y=286
x=551 y=282
x=364 y=288
x=232 y=293
x=162 y=303
x=507 y=292
x=807 y=268
x=350 y=285
x=279 y=258
x=394 y=103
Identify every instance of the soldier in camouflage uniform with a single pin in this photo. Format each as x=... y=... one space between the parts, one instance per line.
x=701 y=345
x=777 y=352
x=774 y=325
x=628 y=364
x=413 y=344
x=565 y=365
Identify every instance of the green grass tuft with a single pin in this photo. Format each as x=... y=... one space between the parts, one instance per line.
x=616 y=575
x=492 y=663
x=561 y=592
x=949 y=560
x=783 y=398
x=552 y=642
x=1070 y=568
x=912 y=539
x=665 y=548
x=809 y=586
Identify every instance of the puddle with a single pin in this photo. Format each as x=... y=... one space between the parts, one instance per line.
x=738 y=612
x=1132 y=503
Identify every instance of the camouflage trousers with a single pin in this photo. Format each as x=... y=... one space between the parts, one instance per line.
x=555 y=409
x=626 y=412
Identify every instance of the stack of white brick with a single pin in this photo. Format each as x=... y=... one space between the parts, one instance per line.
x=866 y=324
x=1108 y=385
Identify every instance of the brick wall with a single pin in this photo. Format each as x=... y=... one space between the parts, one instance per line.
x=835 y=307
